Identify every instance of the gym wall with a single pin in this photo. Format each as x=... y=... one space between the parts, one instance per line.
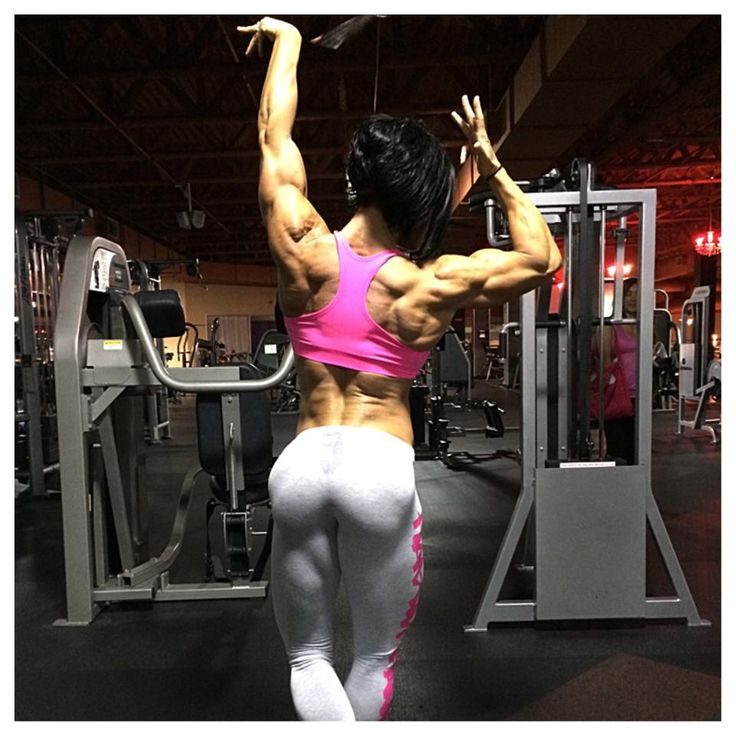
x=230 y=299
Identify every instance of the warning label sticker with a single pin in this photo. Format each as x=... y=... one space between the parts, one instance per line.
x=599 y=464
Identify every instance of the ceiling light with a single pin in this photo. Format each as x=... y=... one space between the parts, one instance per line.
x=708 y=244
x=189 y=218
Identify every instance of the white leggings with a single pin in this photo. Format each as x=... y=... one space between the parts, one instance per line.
x=345 y=505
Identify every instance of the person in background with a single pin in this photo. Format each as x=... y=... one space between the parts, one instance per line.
x=620 y=342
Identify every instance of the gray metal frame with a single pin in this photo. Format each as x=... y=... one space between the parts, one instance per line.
x=93 y=376
x=587 y=518
x=158 y=424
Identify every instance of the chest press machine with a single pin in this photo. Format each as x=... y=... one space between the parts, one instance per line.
x=107 y=367
x=583 y=515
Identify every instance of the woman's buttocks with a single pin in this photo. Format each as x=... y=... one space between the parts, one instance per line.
x=351 y=473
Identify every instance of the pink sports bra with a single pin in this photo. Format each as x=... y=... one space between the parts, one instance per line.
x=343 y=333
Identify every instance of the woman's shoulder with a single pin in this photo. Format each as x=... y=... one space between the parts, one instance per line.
x=401 y=273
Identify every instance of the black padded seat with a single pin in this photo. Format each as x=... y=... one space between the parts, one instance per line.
x=163 y=312
x=257 y=440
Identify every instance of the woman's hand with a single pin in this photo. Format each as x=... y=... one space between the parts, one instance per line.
x=474 y=130
x=268 y=28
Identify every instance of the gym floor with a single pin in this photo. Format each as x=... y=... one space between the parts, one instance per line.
x=223 y=660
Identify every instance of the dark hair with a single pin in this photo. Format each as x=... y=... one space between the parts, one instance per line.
x=629 y=282
x=398 y=166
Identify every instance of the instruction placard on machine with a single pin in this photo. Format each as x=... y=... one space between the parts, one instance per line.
x=101 y=266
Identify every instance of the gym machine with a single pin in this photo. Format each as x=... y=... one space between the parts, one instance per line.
x=449 y=365
x=585 y=515
x=699 y=376
x=106 y=364
x=40 y=241
x=146 y=275
x=665 y=356
x=268 y=355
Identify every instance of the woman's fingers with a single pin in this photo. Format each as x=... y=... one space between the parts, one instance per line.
x=253 y=43
x=477 y=108
x=461 y=123
x=469 y=114
x=257 y=40
x=472 y=126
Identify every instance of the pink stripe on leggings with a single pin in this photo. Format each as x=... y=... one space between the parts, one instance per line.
x=411 y=612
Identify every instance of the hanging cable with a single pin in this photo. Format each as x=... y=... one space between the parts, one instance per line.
x=378 y=59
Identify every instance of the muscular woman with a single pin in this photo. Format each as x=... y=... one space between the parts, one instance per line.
x=363 y=307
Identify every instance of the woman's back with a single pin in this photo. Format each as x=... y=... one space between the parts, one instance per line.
x=362 y=381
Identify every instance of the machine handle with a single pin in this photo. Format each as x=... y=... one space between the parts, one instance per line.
x=163 y=375
x=493 y=241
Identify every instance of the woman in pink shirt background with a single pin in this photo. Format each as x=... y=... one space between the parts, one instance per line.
x=620 y=341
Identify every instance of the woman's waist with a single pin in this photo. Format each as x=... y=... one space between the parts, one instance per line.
x=357 y=435
x=392 y=419
x=336 y=396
